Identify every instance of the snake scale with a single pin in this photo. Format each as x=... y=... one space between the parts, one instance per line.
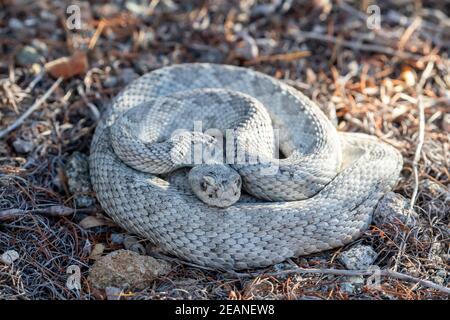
x=322 y=196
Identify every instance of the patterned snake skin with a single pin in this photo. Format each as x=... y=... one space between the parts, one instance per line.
x=341 y=176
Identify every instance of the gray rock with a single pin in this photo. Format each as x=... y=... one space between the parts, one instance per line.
x=126 y=269
x=8 y=257
x=117 y=238
x=436 y=189
x=392 y=209
x=79 y=182
x=40 y=46
x=352 y=284
x=440 y=276
x=359 y=257
x=22 y=146
x=15 y=24
x=30 y=22
x=27 y=56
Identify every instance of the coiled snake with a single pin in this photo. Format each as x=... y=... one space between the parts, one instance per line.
x=322 y=195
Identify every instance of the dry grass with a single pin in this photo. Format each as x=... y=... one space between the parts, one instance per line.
x=365 y=80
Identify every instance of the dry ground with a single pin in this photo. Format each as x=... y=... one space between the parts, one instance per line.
x=391 y=81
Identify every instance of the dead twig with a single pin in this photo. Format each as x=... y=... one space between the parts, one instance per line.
x=425 y=75
x=418 y=151
x=53 y=211
x=34 y=107
x=291 y=56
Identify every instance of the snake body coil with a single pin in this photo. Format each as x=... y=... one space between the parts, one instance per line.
x=340 y=176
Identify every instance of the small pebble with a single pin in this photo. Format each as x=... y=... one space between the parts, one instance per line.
x=359 y=257
x=393 y=208
x=15 y=24
x=22 y=146
x=79 y=180
x=27 y=56
x=117 y=238
x=352 y=284
x=41 y=46
x=8 y=257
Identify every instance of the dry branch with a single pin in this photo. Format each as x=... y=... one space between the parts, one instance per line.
x=52 y=211
x=34 y=107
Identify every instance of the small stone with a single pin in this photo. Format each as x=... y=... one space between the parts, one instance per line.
x=126 y=269
x=352 y=285
x=117 y=238
x=23 y=146
x=30 y=22
x=79 y=181
x=359 y=257
x=440 y=276
x=436 y=189
x=40 y=46
x=393 y=208
x=27 y=56
x=8 y=257
x=15 y=24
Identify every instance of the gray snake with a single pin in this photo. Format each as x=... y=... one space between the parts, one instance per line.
x=322 y=200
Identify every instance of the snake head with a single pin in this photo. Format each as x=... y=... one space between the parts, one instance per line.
x=217 y=185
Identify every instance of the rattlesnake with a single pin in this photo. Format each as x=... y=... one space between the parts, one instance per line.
x=322 y=200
